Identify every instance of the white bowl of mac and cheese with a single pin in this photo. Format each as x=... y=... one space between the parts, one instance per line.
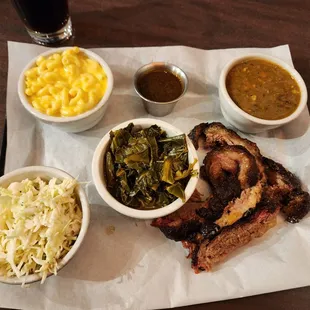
x=66 y=87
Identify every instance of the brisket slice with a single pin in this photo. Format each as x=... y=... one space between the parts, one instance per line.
x=209 y=253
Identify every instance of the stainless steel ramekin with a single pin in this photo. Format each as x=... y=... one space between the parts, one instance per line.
x=160 y=108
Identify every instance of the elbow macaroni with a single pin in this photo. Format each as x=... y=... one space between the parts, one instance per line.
x=65 y=84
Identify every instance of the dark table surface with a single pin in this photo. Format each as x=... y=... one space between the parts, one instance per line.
x=208 y=24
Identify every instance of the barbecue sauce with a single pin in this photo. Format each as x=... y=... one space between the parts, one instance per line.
x=160 y=86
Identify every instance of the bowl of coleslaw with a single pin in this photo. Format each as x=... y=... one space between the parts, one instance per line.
x=44 y=217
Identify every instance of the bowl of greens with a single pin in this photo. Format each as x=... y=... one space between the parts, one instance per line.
x=145 y=168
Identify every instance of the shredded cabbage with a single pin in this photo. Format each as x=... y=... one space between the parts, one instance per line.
x=39 y=223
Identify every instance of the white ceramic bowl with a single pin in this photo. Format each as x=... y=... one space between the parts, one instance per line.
x=48 y=173
x=246 y=122
x=100 y=182
x=77 y=123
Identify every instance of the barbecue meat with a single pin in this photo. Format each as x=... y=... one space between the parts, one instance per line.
x=230 y=169
x=235 y=210
x=191 y=222
x=181 y=224
x=297 y=207
x=216 y=134
x=233 y=175
x=231 y=238
x=212 y=209
x=285 y=188
x=234 y=160
x=280 y=178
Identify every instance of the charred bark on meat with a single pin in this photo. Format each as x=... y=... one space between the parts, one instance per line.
x=212 y=209
x=229 y=170
x=184 y=231
x=211 y=135
x=285 y=189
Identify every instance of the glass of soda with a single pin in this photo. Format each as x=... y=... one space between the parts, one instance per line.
x=47 y=21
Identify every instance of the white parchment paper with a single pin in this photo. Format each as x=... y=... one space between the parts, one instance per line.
x=136 y=267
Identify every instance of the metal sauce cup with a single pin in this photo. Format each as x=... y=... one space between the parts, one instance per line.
x=156 y=108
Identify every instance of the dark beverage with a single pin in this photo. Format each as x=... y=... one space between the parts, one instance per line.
x=47 y=21
x=43 y=15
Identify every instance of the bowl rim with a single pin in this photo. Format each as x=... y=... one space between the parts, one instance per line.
x=290 y=69
x=58 y=173
x=98 y=177
x=159 y=64
x=69 y=119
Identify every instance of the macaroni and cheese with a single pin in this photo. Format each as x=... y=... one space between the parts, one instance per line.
x=65 y=84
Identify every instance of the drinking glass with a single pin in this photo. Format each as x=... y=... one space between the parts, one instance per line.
x=47 y=21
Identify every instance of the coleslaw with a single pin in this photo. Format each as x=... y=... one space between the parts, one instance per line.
x=39 y=222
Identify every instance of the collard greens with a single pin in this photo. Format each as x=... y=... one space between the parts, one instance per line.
x=145 y=169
